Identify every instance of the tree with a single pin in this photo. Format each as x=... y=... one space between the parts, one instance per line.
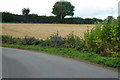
x=62 y=9
x=25 y=11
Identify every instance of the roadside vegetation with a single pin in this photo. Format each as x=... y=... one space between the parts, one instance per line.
x=100 y=45
x=104 y=40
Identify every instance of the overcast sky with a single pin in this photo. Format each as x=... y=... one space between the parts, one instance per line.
x=83 y=8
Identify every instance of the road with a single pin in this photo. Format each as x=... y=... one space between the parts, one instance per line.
x=18 y=63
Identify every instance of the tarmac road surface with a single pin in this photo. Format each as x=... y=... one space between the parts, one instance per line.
x=18 y=63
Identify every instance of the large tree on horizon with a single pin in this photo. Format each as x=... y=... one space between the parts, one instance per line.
x=62 y=9
x=25 y=11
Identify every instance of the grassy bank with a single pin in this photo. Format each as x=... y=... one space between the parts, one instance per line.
x=71 y=53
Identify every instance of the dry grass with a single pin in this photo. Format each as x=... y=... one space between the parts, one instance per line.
x=42 y=31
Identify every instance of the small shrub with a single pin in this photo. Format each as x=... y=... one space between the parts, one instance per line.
x=30 y=41
x=73 y=41
x=8 y=39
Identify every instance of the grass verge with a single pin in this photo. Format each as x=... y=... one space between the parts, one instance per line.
x=71 y=53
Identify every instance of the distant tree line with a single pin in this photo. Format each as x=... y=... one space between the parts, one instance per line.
x=34 y=18
x=61 y=9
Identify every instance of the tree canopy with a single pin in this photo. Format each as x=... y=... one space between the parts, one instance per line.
x=62 y=9
x=25 y=11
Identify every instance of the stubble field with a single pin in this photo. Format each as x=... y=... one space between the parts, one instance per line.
x=42 y=31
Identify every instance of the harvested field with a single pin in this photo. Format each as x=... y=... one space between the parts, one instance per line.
x=42 y=31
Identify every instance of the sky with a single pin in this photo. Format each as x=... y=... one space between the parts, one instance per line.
x=83 y=8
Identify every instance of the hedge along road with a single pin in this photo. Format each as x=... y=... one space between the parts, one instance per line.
x=29 y=64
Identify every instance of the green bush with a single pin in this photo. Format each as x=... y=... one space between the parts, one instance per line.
x=46 y=42
x=104 y=38
x=73 y=41
x=22 y=41
x=30 y=41
x=11 y=40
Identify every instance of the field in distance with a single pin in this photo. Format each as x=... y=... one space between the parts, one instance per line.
x=42 y=31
